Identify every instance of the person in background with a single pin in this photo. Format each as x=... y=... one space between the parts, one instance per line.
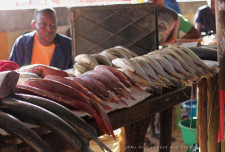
x=168 y=23
x=187 y=29
x=43 y=45
x=205 y=21
x=173 y=4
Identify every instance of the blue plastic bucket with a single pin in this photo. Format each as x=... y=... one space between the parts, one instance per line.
x=191 y=108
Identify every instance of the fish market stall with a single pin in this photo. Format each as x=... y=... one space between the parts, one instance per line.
x=119 y=79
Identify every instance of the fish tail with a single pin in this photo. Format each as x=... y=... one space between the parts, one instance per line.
x=102 y=145
x=103 y=115
x=113 y=97
x=122 y=101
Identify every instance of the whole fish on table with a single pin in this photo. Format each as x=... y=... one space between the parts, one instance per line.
x=86 y=60
x=57 y=87
x=149 y=71
x=111 y=76
x=60 y=88
x=161 y=72
x=174 y=55
x=116 y=73
x=79 y=87
x=130 y=53
x=36 y=115
x=117 y=52
x=70 y=103
x=79 y=69
x=101 y=59
x=133 y=67
x=15 y=127
x=167 y=66
x=109 y=83
x=108 y=55
x=67 y=115
x=43 y=70
x=140 y=81
x=24 y=76
x=178 y=67
x=88 y=86
x=8 y=81
x=104 y=90
x=188 y=61
x=197 y=60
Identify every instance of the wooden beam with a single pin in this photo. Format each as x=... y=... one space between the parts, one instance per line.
x=202 y=114
x=213 y=113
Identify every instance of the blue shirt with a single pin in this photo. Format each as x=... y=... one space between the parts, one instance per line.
x=206 y=18
x=62 y=57
x=173 y=4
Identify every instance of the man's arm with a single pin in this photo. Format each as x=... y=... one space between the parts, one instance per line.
x=192 y=34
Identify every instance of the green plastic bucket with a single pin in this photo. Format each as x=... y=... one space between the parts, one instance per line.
x=188 y=129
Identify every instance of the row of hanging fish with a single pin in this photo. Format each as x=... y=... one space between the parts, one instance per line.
x=164 y=68
x=29 y=103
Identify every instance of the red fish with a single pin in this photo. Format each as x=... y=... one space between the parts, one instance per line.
x=43 y=70
x=93 y=109
x=57 y=87
x=79 y=87
x=100 y=88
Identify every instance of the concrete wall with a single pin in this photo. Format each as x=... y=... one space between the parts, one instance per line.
x=188 y=9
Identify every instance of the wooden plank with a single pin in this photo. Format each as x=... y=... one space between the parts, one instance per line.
x=202 y=114
x=165 y=130
x=213 y=113
x=135 y=134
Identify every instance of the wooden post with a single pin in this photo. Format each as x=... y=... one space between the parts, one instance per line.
x=165 y=130
x=202 y=114
x=135 y=134
x=213 y=113
x=220 y=28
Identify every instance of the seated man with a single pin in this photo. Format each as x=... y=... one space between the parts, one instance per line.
x=43 y=45
x=168 y=23
x=205 y=21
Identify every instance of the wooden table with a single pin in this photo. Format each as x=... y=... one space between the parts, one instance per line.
x=135 y=121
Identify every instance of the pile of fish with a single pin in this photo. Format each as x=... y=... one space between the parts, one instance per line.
x=36 y=102
x=47 y=97
x=171 y=66
x=86 y=62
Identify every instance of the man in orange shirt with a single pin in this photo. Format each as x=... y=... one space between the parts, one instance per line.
x=44 y=45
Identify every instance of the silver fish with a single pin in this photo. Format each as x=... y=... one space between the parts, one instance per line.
x=148 y=70
x=108 y=55
x=117 y=52
x=130 y=53
x=102 y=59
x=86 y=61
x=133 y=67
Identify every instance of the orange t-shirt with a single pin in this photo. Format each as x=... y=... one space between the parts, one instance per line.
x=41 y=54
